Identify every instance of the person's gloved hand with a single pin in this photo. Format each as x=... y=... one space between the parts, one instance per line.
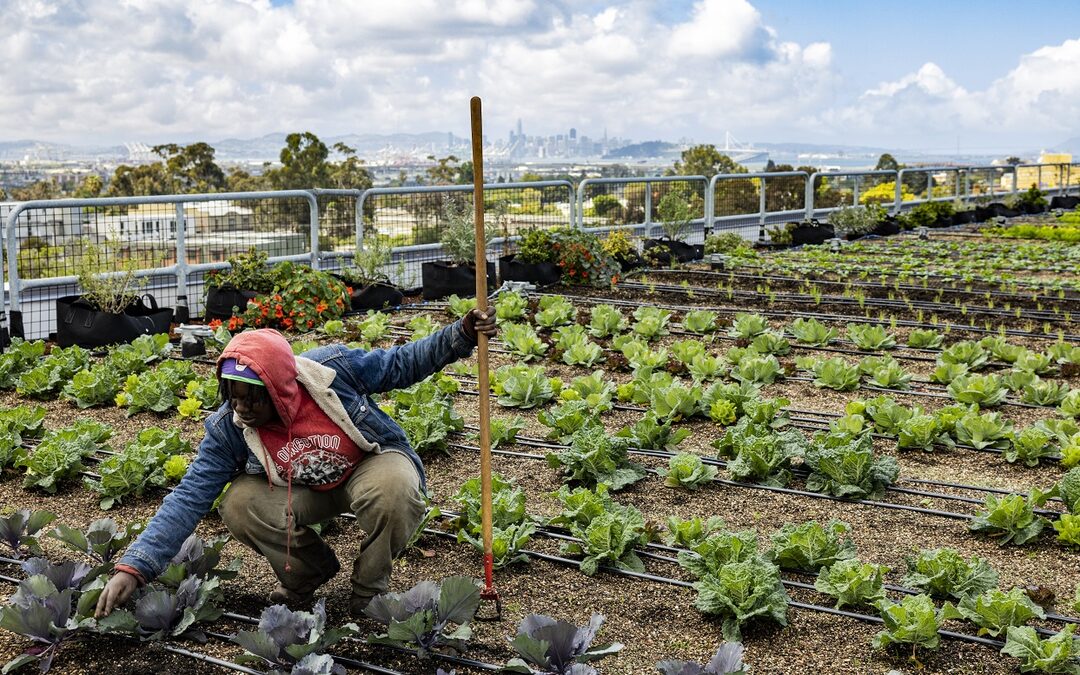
x=476 y=322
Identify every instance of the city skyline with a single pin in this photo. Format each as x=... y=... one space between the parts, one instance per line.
x=931 y=79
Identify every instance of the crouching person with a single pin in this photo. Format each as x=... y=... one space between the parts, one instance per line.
x=301 y=441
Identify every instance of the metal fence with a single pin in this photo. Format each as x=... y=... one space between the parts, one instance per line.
x=173 y=241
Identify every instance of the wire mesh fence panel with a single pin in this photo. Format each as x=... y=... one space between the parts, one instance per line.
x=141 y=244
x=609 y=205
x=677 y=208
x=421 y=224
x=987 y=183
x=736 y=205
x=337 y=226
x=785 y=194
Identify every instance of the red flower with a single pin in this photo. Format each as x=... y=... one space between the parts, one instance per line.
x=288 y=323
x=310 y=323
x=321 y=307
x=215 y=324
x=235 y=322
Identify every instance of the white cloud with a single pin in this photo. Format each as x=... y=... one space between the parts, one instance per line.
x=158 y=70
x=1036 y=100
x=161 y=70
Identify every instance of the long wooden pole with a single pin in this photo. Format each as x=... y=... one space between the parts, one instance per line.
x=488 y=592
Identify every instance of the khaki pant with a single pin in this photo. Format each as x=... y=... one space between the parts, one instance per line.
x=384 y=493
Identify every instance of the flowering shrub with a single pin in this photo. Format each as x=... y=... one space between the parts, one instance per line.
x=302 y=298
x=582 y=259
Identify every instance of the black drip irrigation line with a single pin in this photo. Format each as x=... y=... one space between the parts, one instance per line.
x=344 y=660
x=839 y=318
x=797 y=472
x=180 y=651
x=731 y=276
x=808 y=423
x=791 y=603
x=449 y=658
x=876 y=303
x=554 y=532
x=769 y=488
x=893 y=273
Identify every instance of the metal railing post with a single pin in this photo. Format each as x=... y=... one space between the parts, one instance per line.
x=648 y=209
x=1016 y=177
x=809 y=198
x=181 y=252
x=710 y=208
x=1039 y=177
x=855 y=192
x=313 y=204
x=761 y=211
x=898 y=199
x=360 y=202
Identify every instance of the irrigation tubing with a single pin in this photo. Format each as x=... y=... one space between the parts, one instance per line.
x=791 y=603
x=344 y=660
x=771 y=488
x=796 y=472
x=785 y=314
x=863 y=303
x=797 y=422
x=449 y=658
x=180 y=651
x=732 y=275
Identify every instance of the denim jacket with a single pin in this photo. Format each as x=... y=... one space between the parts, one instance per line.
x=223 y=452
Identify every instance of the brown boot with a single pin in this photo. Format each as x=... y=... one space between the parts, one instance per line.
x=302 y=600
x=357 y=605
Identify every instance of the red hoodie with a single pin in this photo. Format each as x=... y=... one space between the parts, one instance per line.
x=305 y=445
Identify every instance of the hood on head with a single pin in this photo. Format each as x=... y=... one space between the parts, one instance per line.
x=268 y=353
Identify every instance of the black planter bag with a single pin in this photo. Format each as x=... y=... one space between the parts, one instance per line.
x=664 y=250
x=810 y=234
x=998 y=209
x=983 y=214
x=376 y=296
x=80 y=323
x=1068 y=202
x=632 y=260
x=220 y=302
x=442 y=279
x=887 y=228
x=1032 y=209
x=541 y=274
x=963 y=217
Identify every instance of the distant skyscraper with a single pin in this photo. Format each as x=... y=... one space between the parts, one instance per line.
x=519 y=127
x=573 y=133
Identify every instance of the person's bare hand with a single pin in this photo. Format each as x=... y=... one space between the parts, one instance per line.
x=477 y=322
x=115 y=593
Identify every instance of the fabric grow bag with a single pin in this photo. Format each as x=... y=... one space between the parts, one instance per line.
x=631 y=260
x=220 y=302
x=541 y=274
x=1068 y=202
x=887 y=228
x=811 y=234
x=376 y=296
x=81 y=323
x=441 y=279
x=964 y=217
x=663 y=250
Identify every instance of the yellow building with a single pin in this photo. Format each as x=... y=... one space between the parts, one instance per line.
x=1050 y=177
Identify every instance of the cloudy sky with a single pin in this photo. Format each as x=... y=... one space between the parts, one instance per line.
x=920 y=74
